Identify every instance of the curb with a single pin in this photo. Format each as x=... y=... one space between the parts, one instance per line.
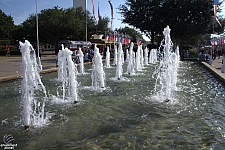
x=19 y=76
x=217 y=74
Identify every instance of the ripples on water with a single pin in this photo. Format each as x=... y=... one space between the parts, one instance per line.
x=123 y=116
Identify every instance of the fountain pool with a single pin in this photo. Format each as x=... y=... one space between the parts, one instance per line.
x=124 y=115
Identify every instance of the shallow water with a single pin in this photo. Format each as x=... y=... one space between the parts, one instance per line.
x=124 y=115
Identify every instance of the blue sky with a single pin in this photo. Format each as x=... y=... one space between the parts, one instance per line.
x=21 y=9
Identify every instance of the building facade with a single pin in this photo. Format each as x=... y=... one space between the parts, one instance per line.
x=80 y=3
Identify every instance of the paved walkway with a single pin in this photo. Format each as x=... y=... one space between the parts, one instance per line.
x=215 y=68
x=10 y=66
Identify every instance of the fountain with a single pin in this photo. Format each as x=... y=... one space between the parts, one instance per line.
x=127 y=56
x=107 y=59
x=138 y=59
x=32 y=88
x=115 y=56
x=167 y=70
x=130 y=66
x=125 y=115
x=67 y=72
x=119 y=67
x=153 y=56
x=146 y=56
x=98 y=75
x=81 y=58
x=141 y=57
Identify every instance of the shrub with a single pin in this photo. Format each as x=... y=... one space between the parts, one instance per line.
x=193 y=53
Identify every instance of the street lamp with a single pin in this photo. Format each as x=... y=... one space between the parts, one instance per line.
x=86 y=21
x=38 y=50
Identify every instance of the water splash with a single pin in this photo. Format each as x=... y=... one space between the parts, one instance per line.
x=146 y=56
x=138 y=59
x=33 y=91
x=107 y=59
x=115 y=56
x=67 y=72
x=141 y=57
x=166 y=73
x=81 y=58
x=119 y=67
x=127 y=56
x=130 y=66
x=153 y=56
x=98 y=74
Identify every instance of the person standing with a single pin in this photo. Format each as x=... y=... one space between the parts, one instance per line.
x=223 y=65
x=7 y=50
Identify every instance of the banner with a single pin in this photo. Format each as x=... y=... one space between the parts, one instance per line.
x=111 y=6
x=99 y=16
x=216 y=7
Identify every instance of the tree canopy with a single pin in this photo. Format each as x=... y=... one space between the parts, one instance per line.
x=6 y=26
x=186 y=18
x=57 y=23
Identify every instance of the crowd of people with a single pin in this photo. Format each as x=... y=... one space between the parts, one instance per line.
x=206 y=53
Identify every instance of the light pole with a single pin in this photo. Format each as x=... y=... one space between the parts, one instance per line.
x=86 y=21
x=38 y=49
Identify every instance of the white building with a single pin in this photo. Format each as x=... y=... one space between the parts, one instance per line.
x=80 y=3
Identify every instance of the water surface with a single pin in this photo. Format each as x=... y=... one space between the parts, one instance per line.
x=124 y=115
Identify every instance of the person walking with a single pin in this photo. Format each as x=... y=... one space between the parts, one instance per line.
x=7 y=50
x=223 y=65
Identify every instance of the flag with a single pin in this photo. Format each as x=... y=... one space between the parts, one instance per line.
x=216 y=7
x=107 y=38
x=93 y=8
x=139 y=42
x=111 y=38
x=111 y=6
x=214 y=42
x=99 y=16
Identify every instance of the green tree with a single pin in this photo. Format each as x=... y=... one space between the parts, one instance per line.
x=6 y=26
x=56 y=24
x=187 y=18
x=101 y=26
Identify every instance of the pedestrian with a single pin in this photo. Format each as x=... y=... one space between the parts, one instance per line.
x=223 y=65
x=186 y=54
x=7 y=50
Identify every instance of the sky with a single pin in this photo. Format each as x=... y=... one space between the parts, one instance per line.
x=21 y=9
